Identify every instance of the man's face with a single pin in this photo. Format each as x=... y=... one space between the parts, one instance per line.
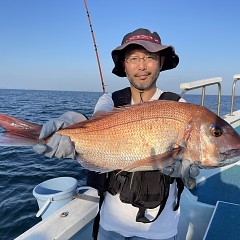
x=142 y=67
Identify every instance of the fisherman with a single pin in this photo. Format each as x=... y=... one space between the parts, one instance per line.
x=140 y=205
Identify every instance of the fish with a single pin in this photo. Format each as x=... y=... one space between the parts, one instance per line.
x=143 y=137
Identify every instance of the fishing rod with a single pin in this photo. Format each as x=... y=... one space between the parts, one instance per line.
x=95 y=46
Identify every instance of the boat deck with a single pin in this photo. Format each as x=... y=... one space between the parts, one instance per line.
x=225 y=185
x=224 y=223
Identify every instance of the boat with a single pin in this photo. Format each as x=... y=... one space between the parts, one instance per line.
x=210 y=211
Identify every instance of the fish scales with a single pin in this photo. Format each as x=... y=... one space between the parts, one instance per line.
x=115 y=149
x=117 y=140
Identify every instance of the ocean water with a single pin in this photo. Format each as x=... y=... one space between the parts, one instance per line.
x=21 y=169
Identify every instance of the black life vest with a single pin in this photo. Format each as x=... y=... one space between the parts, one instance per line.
x=143 y=189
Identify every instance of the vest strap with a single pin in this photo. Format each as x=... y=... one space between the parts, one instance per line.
x=121 y=98
x=180 y=187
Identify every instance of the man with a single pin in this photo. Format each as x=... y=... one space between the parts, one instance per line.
x=140 y=58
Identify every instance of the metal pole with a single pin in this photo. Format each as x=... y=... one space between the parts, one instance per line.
x=233 y=93
x=95 y=46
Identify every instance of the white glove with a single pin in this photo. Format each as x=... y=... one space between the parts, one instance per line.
x=185 y=170
x=58 y=146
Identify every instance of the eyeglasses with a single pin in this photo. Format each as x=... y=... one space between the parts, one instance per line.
x=147 y=59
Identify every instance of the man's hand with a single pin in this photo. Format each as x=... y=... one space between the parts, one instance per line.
x=58 y=146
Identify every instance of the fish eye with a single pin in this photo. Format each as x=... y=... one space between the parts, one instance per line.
x=216 y=130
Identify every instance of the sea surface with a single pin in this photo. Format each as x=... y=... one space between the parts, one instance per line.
x=21 y=169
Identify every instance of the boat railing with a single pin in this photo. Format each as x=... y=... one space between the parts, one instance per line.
x=203 y=84
x=236 y=77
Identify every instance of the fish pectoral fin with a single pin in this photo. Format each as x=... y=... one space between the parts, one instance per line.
x=183 y=137
x=157 y=161
x=185 y=134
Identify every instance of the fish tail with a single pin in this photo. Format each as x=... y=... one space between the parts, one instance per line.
x=20 y=127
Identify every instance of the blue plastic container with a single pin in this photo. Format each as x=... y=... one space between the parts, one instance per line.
x=53 y=194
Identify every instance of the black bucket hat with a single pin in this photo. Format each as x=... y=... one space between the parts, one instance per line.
x=151 y=41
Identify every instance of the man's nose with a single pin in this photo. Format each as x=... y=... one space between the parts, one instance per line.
x=142 y=63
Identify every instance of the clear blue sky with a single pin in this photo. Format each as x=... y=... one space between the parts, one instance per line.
x=47 y=44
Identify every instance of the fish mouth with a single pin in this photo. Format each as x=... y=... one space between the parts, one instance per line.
x=232 y=152
x=229 y=157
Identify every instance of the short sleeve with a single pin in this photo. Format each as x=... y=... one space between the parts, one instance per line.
x=182 y=100
x=105 y=103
